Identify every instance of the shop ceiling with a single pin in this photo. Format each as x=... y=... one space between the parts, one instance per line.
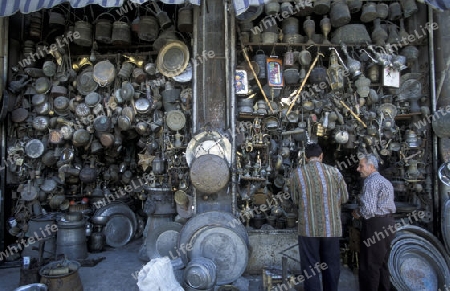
x=8 y=7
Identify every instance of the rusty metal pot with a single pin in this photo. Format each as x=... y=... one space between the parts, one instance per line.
x=148 y=28
x=103 y=28
x=84 y=30
x=121 y=34
x=185 y=20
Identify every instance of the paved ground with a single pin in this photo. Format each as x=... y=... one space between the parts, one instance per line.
x=118 y=271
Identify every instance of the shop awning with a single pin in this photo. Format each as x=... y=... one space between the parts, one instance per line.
x=8 y=7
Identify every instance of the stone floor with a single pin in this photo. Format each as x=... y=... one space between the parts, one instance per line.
x=121 y=265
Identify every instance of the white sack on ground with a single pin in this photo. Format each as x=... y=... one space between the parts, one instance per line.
x=157 y=275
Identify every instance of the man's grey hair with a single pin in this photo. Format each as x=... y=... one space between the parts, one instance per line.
x=371 y=160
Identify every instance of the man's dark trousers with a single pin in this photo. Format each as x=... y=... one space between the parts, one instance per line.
x=377 y=234
x=320 y=250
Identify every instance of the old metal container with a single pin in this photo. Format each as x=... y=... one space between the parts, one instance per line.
x=71 y=239
x=84 y=30
x=185 y=20
x=81 y=137
x=148 y=28
x=209 y=173
x=61 y=276
x=103 y=28
x=339 y=14
x=97 y=242
x=121 y=34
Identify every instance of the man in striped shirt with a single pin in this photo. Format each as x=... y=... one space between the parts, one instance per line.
x=319 y=190
x=377 y=207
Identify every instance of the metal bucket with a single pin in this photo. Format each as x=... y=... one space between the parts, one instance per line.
x=84 y=29
x=185 y=23
x=61 y=276
x=71 y=239
x=148 y=28
x=103 y=29
x=200 y=273
x=121 y=34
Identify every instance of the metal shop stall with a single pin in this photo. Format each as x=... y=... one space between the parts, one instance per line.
x=180 y=123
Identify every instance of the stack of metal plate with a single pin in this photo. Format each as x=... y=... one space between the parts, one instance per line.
x=220 y=237
x=418 y=261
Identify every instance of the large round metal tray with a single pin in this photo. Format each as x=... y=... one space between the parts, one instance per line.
x=211 y=218
x=225 y=248
x=409 y=248
x=162 y=241
x=117 y=207
x=208 y=142
x=118 y=230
